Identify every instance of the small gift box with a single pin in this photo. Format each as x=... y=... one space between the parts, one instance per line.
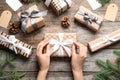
x=104 y=41
x=61 y=43
x=88 y=18
x=59 y=6
x=31 y=19
x=10 y=42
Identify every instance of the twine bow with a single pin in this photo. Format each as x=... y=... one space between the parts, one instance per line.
x=34 y=14
x=106 y=38
x=61 y=45
x=89 y=18
x=12 y=40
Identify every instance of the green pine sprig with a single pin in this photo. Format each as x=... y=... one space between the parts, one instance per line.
x=103 y=2
x=9 y=60
x=110 y=71
x=29 y=1
x=34 y=1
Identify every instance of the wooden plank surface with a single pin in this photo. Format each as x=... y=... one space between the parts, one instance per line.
x=60 y=69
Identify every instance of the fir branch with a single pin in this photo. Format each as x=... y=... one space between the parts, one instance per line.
x=101 y=63
x=117 y=52
x=34 y=1
x=14 y=75
x=0 y=54
x=111 y=66
x=10 y=59
x=30 y=1
x=118 y=63
x=3 y=64
x=103 y=2
x=110 y=71
x=98 y=77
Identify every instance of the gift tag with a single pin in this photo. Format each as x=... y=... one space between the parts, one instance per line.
x=111 y=12
x=5 y=18
x=94 y=4
x=14 y=4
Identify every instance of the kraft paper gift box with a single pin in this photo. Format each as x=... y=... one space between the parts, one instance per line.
x=104 y=41
x=59 y=6
x=88 y=18
x=32 y=19
x=19 y=47
x=61 y=43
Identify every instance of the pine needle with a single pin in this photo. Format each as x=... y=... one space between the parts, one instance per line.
x=101 y=63
x=14 y=75
x=34 y=1
x=111 y=66
x=110 y=71
x=103 y=2
x=117 y=52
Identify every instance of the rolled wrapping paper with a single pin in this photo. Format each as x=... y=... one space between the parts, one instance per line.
x=104 y=41
x=59 y=6
x=16 y=45
x=86 y=17
x=61 y=43
x=31 y=19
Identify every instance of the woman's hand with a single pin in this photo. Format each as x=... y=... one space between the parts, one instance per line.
x=43 y=57
x=79 y=54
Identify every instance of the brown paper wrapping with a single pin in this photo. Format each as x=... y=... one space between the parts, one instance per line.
x=93 y=26
x=49 y=36
x=92 y=43
x=39 y=21
x=21 y=52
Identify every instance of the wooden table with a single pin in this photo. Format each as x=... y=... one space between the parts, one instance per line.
x=60 y=68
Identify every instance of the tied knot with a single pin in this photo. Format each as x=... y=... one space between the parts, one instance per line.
x=61 y=46
x=60 y=43
x=13 y=44
x=12 y=41
x=88 y=17
x=27 y=15
x=107 y=38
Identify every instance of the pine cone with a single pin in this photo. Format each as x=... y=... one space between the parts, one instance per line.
x=25 y=1
x=14 y=27
x=65 y=22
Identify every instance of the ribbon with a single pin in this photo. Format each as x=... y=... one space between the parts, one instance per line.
x=12 y=40
x=34 y=14
x=61 y=45
x=62 y=3
x=106 y=38
x=89 y=18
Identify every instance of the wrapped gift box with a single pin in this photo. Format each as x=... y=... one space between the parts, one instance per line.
x=10 y=42
x=32 y=19
x=59 y=6
x=61 y=43
x=104 y=41
x=88 y=18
